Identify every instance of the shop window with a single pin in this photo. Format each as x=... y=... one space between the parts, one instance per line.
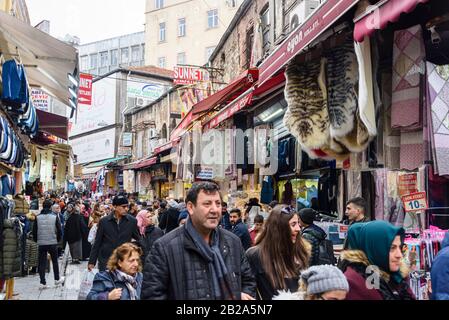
x=93 y=61
x=181 y=59
x=135 y=53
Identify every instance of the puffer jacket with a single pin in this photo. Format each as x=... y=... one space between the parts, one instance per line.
x=176 y=270
x=354 y=265
x=314 y=235
x=105 y=282
x=31 y=253
x=11 y=252
x=21 y=205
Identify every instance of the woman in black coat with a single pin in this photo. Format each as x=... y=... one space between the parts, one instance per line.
x=73 y=233
x=150 y=233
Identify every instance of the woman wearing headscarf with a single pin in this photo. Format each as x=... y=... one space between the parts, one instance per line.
x=123 y=278
x=373 y=263
x=150 y=233
x=280 y=254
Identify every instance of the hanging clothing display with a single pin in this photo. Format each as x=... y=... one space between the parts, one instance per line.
x=8 y=185
x=412 y=150
x=438 y=92
x=267 y=192
x=408 y=63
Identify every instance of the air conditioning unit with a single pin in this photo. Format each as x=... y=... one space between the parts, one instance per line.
x=141 y=102
x=300 y=13
x=154 y=134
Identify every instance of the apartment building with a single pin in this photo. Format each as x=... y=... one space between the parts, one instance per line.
x=103 y=56
x=185 y=31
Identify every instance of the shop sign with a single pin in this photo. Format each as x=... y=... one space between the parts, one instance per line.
x=206 y=173
x=188 y=75
x=127 y=139
x=158 y=172
x=407 y=184
x=137 y=88
x=323 y=17
x=415 y=202
x=41 y=100
x=124 y=151
x=342 y=231
x=85 y=89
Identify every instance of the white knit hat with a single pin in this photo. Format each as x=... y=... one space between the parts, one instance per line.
x=324 y=278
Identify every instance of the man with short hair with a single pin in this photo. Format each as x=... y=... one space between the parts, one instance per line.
x=199 y=261
x=225 y=222
x=113 y=231
x=239 y=228
x=355 y=210
x=47 y=233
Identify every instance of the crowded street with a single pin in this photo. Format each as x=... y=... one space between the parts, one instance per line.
x=248 y=151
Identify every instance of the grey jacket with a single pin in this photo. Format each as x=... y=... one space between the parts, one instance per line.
x=47 y=229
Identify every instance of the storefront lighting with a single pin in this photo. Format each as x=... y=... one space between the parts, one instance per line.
x=274 y=114
x=72 y=104
x=73 y=93
x=72 y=79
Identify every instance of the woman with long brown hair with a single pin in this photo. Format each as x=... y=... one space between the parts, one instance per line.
x=280 y=254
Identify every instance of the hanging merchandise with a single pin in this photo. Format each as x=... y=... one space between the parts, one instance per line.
x=12 y=150
x=438 y=92
x=267 y=192
x=15 y=87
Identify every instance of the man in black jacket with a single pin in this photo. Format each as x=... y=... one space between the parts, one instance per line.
x=199 y=261
x=312 y=233
x=114 y=230
x=168 y=220
x=239 y=228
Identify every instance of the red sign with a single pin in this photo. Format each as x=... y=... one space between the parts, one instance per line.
x=415 y=202
x=303 y=35
x=85 y=89
x=229 y=110
x=407 y=184
x=188 y=75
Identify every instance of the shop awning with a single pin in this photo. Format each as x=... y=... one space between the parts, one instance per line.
x=230 y=92
x=103 y=163
x=145 y=163
x=231 y=109
x=270 y=86
x=47 y=60
x=315 y=25
x=183 y=125
x=90 y=173
x=378 y=16
x=166 y=146
x=53 y=124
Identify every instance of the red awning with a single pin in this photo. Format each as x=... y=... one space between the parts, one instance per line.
x=230 y=92
x=231 y=109
x=140 y=164
x=316 y=24
x=271 y=85
x=183 y=125
x=53 y=124
x=166 y=146
x=378 y=16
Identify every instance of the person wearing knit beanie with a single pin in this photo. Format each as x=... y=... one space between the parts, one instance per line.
x=323 y=282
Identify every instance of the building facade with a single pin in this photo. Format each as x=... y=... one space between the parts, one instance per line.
x=185 y=32
x=103 y=56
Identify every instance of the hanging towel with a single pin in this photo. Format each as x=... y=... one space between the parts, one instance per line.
x=366 y=95
x=408 y=66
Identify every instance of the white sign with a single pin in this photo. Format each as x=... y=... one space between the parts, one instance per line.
x=41 y=100
x=127 y=139
x=102 y=111
x=415 y=202
x=137 y=88
x=94 y=147
x=206 y=173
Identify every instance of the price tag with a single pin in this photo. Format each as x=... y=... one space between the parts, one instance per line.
x=415 y=202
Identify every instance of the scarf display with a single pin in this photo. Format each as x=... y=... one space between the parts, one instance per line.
x=212 y=254
x=438 y=93
x=130 y=282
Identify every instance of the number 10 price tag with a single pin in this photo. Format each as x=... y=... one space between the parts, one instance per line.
x=415 y=202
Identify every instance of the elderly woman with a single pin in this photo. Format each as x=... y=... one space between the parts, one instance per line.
x=123 y=278
x=150 y=233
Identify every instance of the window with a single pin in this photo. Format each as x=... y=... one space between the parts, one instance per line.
x=139 y=143
x=162 y=32
x=209 y=52
x=181 y=58
x=135 y=53
x=182 y=27
x=124 y=55
x=231 y=3
x=159 y=4
x=265 y=18
x=161 y=62
x=103 y=59
x=93 y=61
x=85 y=63
x=212 y=18
x=249 y=47
x=114 y=57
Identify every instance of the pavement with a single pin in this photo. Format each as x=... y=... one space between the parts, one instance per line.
x=27 y=288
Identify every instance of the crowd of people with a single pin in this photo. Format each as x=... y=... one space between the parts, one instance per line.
x=199 y=249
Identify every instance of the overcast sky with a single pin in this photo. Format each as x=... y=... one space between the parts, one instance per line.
x=90 y=20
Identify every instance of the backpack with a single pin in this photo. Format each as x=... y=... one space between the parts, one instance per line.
x=326 y=255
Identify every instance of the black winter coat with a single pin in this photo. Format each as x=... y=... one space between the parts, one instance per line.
x=152 y=233
x=314 y=235
x=176 y=270
x=74 y=228
x=168 y=220
x=111 y=235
